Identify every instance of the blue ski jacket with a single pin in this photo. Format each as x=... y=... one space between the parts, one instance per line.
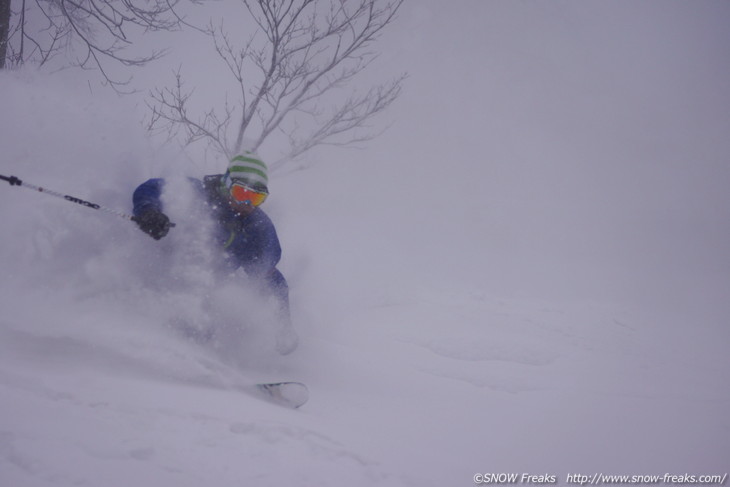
x=249 y=242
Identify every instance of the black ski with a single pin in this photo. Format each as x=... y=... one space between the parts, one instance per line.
x=288 y=394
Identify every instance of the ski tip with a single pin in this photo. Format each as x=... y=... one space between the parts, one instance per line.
x=289 y=394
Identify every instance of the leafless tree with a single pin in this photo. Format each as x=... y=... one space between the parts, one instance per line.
x=4 y=30
x=97 y=31
x=291 y=77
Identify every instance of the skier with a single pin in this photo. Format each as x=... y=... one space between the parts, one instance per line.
x=243 y=230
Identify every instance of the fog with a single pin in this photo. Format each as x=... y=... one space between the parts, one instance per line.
x=526 y=272
x=592 y=134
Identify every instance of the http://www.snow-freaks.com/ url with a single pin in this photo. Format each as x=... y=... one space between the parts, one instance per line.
x=599 y=479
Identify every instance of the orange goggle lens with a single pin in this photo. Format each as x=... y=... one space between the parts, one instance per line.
x=242 y=194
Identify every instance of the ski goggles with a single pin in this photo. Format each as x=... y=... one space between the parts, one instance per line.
x=243 y=194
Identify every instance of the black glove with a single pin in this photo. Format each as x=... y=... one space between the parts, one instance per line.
x=154 y=223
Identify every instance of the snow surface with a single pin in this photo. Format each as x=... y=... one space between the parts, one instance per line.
x=527 y=273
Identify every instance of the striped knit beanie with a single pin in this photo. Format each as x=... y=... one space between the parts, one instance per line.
x=249 y=169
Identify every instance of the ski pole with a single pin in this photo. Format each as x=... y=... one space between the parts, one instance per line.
x=17 y=182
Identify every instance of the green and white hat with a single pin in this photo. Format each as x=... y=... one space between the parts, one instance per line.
x=249 y=169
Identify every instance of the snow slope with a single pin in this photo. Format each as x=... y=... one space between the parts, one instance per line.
x=447 y=330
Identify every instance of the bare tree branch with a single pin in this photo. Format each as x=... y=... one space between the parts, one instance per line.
x=170 y=113
x=304 y=55
x=102 y=29
x=351 y=115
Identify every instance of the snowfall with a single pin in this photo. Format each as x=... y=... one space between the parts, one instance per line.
x=527 y=272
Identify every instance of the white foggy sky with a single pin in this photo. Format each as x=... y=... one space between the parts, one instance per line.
x=591 y=133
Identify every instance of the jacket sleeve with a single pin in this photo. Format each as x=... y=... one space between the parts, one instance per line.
x=147 y=196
